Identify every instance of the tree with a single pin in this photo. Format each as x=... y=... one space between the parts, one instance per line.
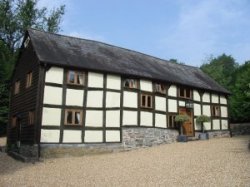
x=16 y=16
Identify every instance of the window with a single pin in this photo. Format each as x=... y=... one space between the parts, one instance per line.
x=130 y=83
x=185 y=92
x=160 y=88
x=146 y=101
x=17 y=87
x=215 y=111
x=75 y=77
x=171 y=122
x=29 y=79
x=31 y=118
x=73 y=117
x=13 y=121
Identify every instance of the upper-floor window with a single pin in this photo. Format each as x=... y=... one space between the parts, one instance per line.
x=17 y=87
x=131 y=83
x=160 y=88
x=29 y=77
x=215 y=111
x=146 y=101
x=75 y=77
x=185 y=93
x=73 y=117
x=31 y=118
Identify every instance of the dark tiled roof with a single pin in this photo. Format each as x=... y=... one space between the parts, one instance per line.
x=80 y=53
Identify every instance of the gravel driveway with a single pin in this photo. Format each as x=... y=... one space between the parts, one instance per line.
x=217 y=162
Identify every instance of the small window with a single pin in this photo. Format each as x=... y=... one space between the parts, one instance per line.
x=146 y=101
x=13 y=122
x=29 y=79
x=76 y=78
x=31 y=118
x=130 y=83
x=185 y=93
x=73 y=117
x=17 y=87
x=171 y=122
x=160 y=88
x=215 y=111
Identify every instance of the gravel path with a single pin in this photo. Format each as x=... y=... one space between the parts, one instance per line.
x=217 y=162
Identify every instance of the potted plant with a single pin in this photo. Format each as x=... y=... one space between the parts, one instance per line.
x=201 y=120
x=181 y=119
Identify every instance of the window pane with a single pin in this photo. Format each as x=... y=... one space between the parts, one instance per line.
x=170 y=121
x=149 y=101
x=143 y=100
x=188 y=94
x=71 y=77
x=182 y=92
x=77 y=118
x=69 y=117
x=79 y=78
x=126 y=83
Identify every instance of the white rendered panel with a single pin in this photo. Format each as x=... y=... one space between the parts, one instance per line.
x=224 y=111
x=129 y=117
x=160 y=120
x=207 y=126
x=197 y=109
x=50 y=136
x=52 y=95
x=54 y=75
x=95 y=80
x=206 y=97
x=93 y=136
x=160 y=103
x=74 y=97
x=146 y=85
x=215 y=98
x=147 y=119
x=172 y=91
x=51 y=116
x=72 y=136
x=114 y=82
x=224 y=124
x=182 y=103
x=196 y=95
x=94 y=99
x=112 y=136
x=223 y=100
x=206 y=110
x=130 y=99
x=113 y=99
x=216 y=124
x=172 y=105
x=113 y=118
x=197 y=126
x=94 y=118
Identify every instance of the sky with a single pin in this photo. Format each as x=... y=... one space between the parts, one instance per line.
x=191 y=31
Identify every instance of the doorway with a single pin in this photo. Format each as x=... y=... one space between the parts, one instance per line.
x=188 y=128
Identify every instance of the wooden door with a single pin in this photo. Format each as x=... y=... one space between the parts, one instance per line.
x=187 y=126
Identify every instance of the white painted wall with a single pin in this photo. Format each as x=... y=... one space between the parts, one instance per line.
x=146 y=85
x=51 y=116
x=172 y=91
x=206 y=97
x=129 y=118
x=146 y=119
x=95 y=80
x=197 y=126
x=197 y=109
x=113 y=99
x=72 y=136
x=224 y=111
x=94 y=118
x=223 y=100
x=182 y=103
x=196 y=95
x=54 y=75
x=93 y=136
x=114 y=82
x=172 y=105
x=51 y=136
x=160 y=103
x=160 y=120
x=216 y=124
x=113 y=118
x=112 y=136
x=74 y=97
x=206 y=110
x=94 y=99
x=130 y=99
x=215 y=98
x=52 y=95
x=207 y=125
x=224 y=124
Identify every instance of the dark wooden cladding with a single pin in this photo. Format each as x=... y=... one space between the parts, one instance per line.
x=25 y=100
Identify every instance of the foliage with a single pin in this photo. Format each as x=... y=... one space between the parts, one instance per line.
x=175 y=61
x=182 y=118
x=202 y=119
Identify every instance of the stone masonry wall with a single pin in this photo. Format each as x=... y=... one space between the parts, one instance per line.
x=240 y=129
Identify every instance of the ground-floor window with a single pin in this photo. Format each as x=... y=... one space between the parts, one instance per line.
x=73 y=117
x=171 y=122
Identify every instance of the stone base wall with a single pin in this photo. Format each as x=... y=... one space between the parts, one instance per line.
x=240 y=129
x=215 y=134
